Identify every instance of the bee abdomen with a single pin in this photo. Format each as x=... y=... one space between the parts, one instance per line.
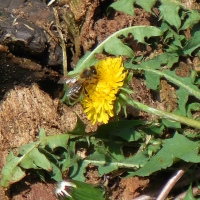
x=75 y=93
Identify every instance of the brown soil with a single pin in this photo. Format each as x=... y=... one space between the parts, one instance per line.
x=31 y=97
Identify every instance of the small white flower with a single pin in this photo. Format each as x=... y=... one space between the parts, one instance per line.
x=62 y=187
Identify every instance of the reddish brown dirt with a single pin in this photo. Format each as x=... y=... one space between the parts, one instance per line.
x=21 y=122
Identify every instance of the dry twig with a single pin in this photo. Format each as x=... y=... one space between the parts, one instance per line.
x=62 y=42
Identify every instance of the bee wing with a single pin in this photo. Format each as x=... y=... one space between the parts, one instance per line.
x=69 y=79
x=76 y=88
x=75 y=93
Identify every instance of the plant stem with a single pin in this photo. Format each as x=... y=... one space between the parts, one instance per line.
x=163 y=114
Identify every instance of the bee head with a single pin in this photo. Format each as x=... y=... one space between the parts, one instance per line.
x=93 y=70
x=89 y=72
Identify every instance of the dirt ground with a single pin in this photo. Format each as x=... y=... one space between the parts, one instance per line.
x=30 y=93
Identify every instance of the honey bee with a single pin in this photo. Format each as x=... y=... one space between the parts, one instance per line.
x=76 y=85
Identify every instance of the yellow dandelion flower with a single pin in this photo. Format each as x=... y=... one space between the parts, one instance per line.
x=100 y=97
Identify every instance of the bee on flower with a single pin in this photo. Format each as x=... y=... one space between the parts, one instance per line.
x=97 y=88
x=77 y=84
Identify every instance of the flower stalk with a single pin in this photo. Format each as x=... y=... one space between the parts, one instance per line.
x=163 y=114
